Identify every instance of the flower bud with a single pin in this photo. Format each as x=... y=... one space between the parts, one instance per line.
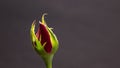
x=44 y=40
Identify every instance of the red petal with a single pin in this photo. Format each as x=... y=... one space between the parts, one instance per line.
x=45 y=37
x=38 y=33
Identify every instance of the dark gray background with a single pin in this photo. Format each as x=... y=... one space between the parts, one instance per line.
x=88 y=33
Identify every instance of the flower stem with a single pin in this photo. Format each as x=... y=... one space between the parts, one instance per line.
x=48 y=61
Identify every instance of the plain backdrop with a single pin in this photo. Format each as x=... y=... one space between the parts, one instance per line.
x=88 y=33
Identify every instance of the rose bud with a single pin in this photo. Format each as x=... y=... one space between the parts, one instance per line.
x=44 y=41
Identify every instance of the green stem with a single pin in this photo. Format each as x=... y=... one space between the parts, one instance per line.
x=48 y=61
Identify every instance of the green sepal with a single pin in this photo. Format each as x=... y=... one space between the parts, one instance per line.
x=39 y=48
x=54 y=41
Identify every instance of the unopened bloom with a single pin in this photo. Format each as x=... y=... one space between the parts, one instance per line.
x=44 y=41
